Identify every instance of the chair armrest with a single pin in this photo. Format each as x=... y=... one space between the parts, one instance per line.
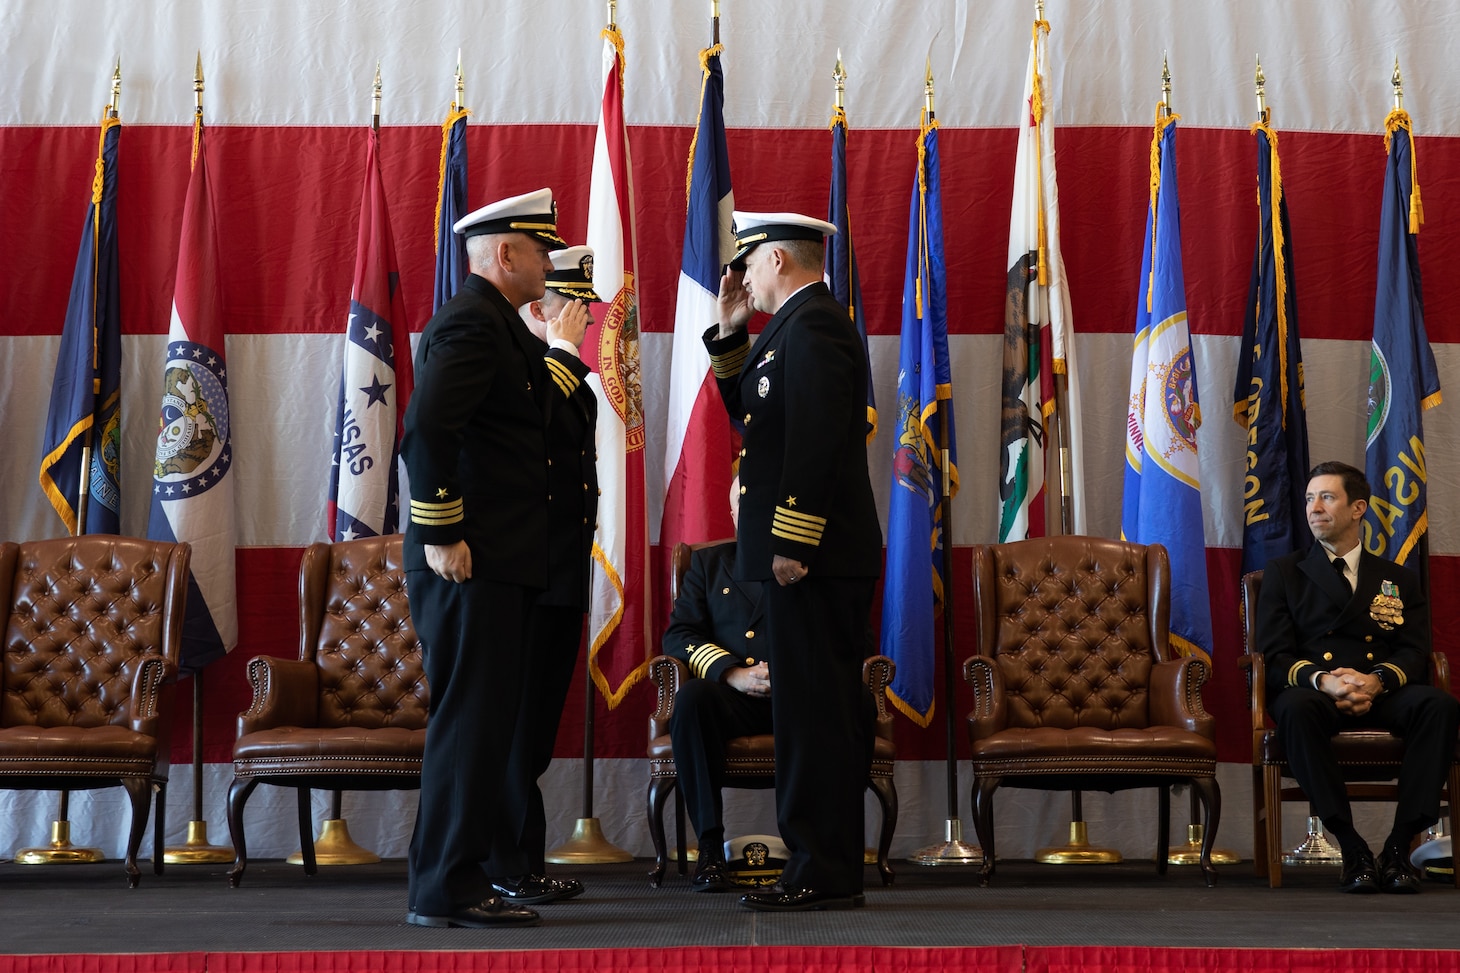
x=1440 y=670
x=667 y=674
x=285 y=693
x=877 y=673
x=1176 y=696
x=990 y=712
x=147 y=685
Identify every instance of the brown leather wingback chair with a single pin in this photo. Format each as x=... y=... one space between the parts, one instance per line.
x=750 y=762
x=1075 y=686
x=93 y=627
x=1369 y=759
x=350 y=712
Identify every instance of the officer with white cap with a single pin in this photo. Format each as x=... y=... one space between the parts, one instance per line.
x=476 y=553
x=808 y=533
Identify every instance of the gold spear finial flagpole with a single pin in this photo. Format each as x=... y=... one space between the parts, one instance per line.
x=1165 y=86
x=460 y=84
x=1260 y=85
x=715 y=19
x=116 y=103
x=375 y=100
x=1038 y=9
x=1398 y=82
x=613 y=14
x=839 y=76
x=198 y=86
x=928 y=88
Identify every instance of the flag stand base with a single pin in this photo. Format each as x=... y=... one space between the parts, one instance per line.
x=197 y=851
x=334 y=846
x=60 y=851
x=1190 y=853
x=952 y=851
x=1078 y=851
x=1315 y=849
x=588 y=846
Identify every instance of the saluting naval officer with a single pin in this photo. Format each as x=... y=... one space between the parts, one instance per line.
x=808 y=533
x=1345 y=636
x=476 y=553
x=559 y=320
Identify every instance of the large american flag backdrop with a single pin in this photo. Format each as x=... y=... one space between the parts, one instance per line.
x=288 y=101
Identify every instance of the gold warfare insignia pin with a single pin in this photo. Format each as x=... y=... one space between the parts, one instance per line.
x=1387 y=610
x=763 y=387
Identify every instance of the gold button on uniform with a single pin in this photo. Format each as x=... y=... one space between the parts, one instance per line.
x=742 y=453
x=1368 y=638
x=1369 y=656
x=750 y=634
x=749 y=661
x=724 y=591
x=742 y=491
x=1328 y=657
x=747 y=417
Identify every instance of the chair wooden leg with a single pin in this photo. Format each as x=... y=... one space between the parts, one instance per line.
x=1163 y=828
x=159 y=827
x=306 y=830
x=886 y=792
x=681 y=834
x=1211 y=805
x=1272 y=802
x=1259 y=825
x=983 y=823
x=659 y=788
x=140 y=790
x=238 y=793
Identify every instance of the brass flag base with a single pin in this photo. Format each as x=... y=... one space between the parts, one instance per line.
x=1190 y=853
x=952 y=851
x=691 y=853
x=1078 y=851
x=197 y=851
x=588 y=846
x=60 y=851
x=1316 y=849
x=334 y=846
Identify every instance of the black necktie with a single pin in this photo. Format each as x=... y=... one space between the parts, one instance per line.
x=1340 y=567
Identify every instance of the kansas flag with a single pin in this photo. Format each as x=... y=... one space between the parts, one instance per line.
x=192 y=489
x=841 y=258
x=451 y=267
x=375 y=382
x=1162 y=503
x=913 y=585
x=83 y=426
x=1403 y=380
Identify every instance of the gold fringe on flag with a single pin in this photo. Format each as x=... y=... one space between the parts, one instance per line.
x=453 y=115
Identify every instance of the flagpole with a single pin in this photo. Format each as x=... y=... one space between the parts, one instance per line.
x=952 y=850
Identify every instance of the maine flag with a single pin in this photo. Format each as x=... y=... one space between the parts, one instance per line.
x=82 y=450
x=1403 y=380
x=192 y=489
x=913 y=578
x=698 y=445
x=1268 y=397
x=375 y=381
x=451 y=267
x=1162 y=502
x=841 y=259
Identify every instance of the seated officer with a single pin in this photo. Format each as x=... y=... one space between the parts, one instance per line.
x=713 y=631
x=1346 y=639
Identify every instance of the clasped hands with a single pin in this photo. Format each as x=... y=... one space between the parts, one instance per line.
x=751 y=680
x=1353 y=692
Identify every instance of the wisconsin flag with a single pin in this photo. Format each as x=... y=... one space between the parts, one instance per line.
x=82 y=450
x=1041 y=389
x=698 y=444
x=451 y=267
x=913 y=578
x=192 y=489
x=1162 y=502
x=619 y=616
x=1403 y=380
x=841 y=258
x=375 y=382
x=1268 y=398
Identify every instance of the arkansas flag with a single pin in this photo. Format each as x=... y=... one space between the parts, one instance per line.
x=698 y=447
x=375 y=383
x=192 y=489
x=618 y=617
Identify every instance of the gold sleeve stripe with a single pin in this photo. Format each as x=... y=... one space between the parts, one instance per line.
x=437 y=514
x=437 y=520
x=563 y=375
x=731 y=362
x=701 y=657
x=446 y=506
x=1295 y=670
x=796 y=516
x=1403 y=680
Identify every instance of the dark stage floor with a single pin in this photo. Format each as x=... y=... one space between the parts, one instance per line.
x=88 y=909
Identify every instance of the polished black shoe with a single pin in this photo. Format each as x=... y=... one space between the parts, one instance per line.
x=800 y=900
x=493 y=911
x=1396 y=874
x=711 y=874
x=1360 y=875
x=537 y=889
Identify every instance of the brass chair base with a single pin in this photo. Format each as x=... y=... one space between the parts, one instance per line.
x=334 y=846
x=587 y=846
x=1078 y=851
x=1315 y=849
x=951 y=851
x=60 y=851
x=197 y=851
x=1190 y=853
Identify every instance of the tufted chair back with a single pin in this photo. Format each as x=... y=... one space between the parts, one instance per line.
x=355 y=625
x=1074 y=625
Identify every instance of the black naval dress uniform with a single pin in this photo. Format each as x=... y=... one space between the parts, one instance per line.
x=800 y=390
x=557 y=617
x=717 y=624
x=1308 y=623
x=476 y=452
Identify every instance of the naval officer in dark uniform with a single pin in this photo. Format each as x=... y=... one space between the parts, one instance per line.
x=476 y=552
x=808 y=533
x=1345 y=636
x=559 y=320
x=715 y=631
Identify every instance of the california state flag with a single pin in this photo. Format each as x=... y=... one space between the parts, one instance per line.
x=618 y=617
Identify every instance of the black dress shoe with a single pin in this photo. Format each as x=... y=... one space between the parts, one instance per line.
x=493 y=911
x=711 y=874
x=537 y=889
x=1359 y=875
x=800 y=900
x=1396 y=874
